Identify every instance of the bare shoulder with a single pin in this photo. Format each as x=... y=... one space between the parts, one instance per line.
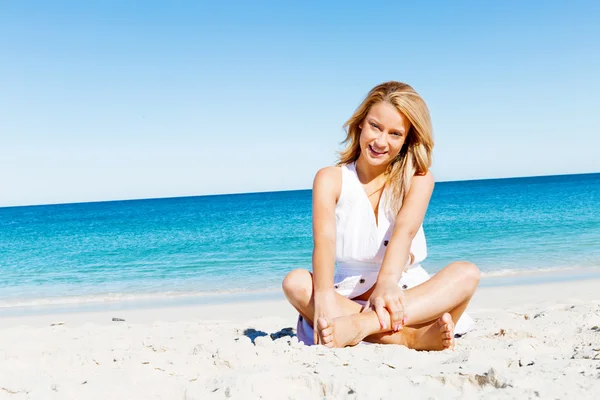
x=328 y=181
x=329 y=174
x=425 y=181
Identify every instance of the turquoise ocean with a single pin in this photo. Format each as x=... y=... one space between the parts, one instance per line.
x=246 y=243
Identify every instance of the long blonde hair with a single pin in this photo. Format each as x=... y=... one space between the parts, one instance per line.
x=414 y=157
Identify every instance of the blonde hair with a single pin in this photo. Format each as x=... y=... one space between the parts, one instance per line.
x=414 y=157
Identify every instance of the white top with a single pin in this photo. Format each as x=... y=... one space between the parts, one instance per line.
x=360 y=241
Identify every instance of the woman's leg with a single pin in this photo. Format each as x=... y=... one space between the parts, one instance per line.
x=450 y=290
x=425 y=307
x=348 y=331
x=298 y=288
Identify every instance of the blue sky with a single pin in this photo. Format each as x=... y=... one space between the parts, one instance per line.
x=118 y=100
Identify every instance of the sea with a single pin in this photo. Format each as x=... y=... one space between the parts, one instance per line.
x=207 y=248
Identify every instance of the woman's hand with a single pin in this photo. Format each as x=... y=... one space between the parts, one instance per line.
x=325 y=307
x=387 y=300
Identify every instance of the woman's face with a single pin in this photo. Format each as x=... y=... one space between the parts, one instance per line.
x=383 y=133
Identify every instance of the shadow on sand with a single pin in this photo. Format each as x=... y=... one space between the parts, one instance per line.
x=253 y=333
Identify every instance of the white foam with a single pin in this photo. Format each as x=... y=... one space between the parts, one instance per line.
x=522 y=271
x=117 y=297
x=170 y=295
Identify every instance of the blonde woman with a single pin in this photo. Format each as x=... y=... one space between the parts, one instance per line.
x=367 y=218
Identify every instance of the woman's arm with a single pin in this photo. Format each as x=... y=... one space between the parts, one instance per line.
x=387 y=297
x=326 y=190
x=407 y=224
x=418 y=248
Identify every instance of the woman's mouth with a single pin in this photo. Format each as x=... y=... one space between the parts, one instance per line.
x=376 y=153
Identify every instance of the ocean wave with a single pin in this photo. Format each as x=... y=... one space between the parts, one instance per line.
x=535 y=271
x=222 y=295
x=125 y=297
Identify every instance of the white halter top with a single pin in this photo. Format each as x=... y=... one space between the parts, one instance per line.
x=360 y=240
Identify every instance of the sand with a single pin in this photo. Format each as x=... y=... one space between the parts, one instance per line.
x=532 y=341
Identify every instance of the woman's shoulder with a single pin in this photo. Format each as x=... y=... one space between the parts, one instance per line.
x=328 y=180
x=425 y=181
x=329 y=173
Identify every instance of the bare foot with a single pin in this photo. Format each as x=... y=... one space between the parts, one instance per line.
x=438 y=336
x=340 y=332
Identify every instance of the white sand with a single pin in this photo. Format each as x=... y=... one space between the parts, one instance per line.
x=532 y=341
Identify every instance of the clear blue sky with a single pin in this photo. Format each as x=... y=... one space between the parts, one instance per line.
x=121 y=100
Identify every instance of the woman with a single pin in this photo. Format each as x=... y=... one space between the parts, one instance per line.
x=367 y=217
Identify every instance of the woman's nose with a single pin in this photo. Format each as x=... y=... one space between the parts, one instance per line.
x=380 y=140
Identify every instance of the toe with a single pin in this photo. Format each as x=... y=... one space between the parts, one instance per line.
x=322 y=323
x=446 y=318
x=327 y=341
x=327 y=331
x=448 y=343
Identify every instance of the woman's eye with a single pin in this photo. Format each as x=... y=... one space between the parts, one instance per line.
x=396 y=134
x=374 y=125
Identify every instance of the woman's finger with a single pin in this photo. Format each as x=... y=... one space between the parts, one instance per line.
x=392 y=307
x=381 y=313
x=367 y=306
x=397 y=316
x=401 y=300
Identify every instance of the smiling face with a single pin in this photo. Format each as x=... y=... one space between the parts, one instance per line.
x=383 y=133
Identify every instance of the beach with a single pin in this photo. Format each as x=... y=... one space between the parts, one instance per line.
x=166 y=165
x=180 y=298
x=532 y=341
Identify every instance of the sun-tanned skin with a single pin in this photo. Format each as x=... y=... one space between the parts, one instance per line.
x=427 y=327
x=421 y=317
x=351 y=330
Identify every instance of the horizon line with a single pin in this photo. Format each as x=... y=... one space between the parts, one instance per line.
x=277 y=191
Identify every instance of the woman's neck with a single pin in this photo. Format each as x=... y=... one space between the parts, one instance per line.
x=368 y=173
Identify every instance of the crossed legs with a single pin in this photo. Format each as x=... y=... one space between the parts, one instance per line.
x=431 y=309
